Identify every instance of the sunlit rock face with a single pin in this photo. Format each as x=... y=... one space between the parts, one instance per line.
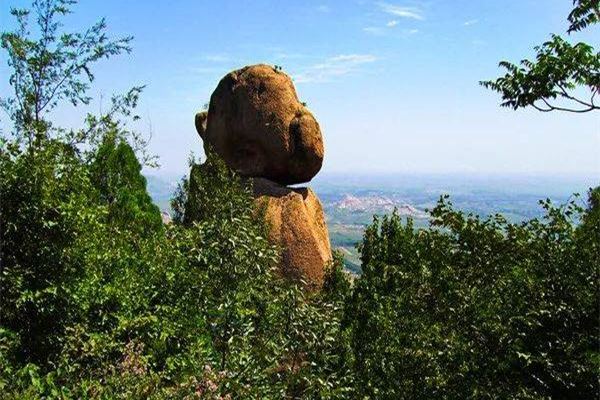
x=256 y=123
x=297 y=224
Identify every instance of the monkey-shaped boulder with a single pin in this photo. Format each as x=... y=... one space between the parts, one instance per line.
x=256 y=123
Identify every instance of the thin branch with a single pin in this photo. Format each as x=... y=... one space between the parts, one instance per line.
x=59 y=84
x=594 y=92
x=568 y=96
x=74 y=67
x=557 y=108
x=540 y=109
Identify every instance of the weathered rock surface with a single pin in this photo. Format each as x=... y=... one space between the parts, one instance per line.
x=297 y=224
x=256 y=123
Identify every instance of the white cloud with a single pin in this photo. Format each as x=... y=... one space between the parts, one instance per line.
x=354 y=58
x=333 y=67
x=205 y=70
x=401 y=11
x=323 y=8
x=218 y=58
x=380 y=31
x=373 y=30
x=471 y=22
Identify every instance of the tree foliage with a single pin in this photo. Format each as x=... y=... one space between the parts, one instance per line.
x=559 y=74
x=50 y=66
x=98 y=308
x=473 y=308
x=211 y=191
x=115 y=173
x=44 y=208
x=99 y=300
x=584 y=13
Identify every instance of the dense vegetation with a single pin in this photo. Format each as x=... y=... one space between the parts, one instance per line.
x=473 y=308
x=99 y=299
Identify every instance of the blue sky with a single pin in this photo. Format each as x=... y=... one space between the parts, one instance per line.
x=393 y=84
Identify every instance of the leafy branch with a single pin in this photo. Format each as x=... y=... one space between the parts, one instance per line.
x=584 y=13
x=559 y=69
x=51 y=66
x=560 y=74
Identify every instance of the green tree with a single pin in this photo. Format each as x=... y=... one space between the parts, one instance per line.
x=473 y=308
x=560 y=73
x=50 y=66
x=49 y=209
x=276 y=339
x=584 y=13
x=45 y=205
x=116 y=173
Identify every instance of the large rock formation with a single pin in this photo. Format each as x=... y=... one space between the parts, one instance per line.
x=260 y=129
x=297 y=224
x=256 y=123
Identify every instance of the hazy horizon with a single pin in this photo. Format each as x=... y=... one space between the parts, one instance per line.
x=557 y=185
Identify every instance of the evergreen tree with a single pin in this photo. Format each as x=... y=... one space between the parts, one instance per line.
x=116 y=173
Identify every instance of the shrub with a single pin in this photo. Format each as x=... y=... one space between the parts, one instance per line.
x=473 y=308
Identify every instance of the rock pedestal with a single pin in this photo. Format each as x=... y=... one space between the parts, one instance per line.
x=256 y=123
x=297 y=224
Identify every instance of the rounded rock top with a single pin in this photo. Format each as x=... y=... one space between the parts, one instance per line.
x=256 y=123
